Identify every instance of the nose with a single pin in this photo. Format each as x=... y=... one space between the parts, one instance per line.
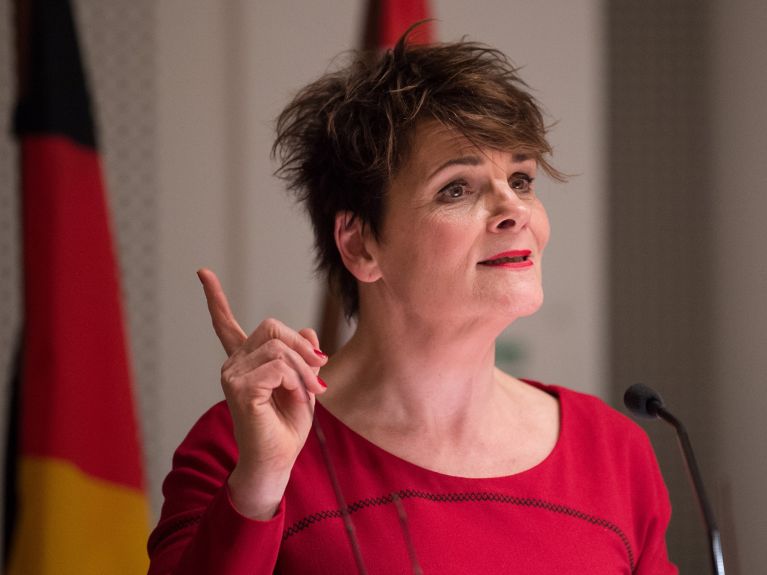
x=508 y=212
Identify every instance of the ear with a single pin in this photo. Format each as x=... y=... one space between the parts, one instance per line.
x=353 y=240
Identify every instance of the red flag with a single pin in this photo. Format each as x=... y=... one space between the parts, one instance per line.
x=81 y=502
x=387 y=20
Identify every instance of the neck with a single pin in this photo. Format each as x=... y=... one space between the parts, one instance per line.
x=424 y=373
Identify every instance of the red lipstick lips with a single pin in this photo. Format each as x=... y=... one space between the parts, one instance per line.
x=510 y=259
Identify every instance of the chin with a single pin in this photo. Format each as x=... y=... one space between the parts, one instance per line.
x=522 y=305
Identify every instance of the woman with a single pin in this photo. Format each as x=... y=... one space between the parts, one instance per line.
x=417 y=171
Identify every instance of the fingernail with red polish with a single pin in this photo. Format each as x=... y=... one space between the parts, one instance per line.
x=320 y=353
x=322 y=383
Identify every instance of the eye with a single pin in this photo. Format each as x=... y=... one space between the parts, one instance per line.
x=453 y=191
x=521 y=183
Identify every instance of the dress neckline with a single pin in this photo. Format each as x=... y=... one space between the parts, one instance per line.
x=324 y=415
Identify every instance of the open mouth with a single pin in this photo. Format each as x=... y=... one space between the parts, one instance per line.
x=516 y=258
x=505 y=260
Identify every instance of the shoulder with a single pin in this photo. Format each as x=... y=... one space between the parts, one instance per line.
x=213 y=432
x=602 y=443
x=616 y=461
x=589 y=426
x=591 y=414
x=206 y=456
x=604 y=466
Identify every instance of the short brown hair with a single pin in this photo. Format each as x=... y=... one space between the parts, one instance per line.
x=344 y=137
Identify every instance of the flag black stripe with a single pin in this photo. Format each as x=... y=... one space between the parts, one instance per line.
x=54 y=99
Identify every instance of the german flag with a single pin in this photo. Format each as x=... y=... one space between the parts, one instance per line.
x=80 y=504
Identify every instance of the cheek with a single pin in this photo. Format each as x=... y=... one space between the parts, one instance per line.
x=444 y=231
x=449 y=242
x=539 y=223
x=431 y=246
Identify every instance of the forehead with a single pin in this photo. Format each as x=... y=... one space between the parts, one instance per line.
x=434 y=145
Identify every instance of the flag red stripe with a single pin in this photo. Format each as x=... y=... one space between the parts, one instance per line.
x=396 y=16
x=76 y=399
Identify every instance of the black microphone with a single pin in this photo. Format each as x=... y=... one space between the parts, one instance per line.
x=647 y=403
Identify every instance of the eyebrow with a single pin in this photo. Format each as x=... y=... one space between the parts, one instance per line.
x=462 y=161
x=473 y=161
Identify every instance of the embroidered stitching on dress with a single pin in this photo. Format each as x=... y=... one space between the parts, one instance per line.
x=171 y=529
x=478 y=496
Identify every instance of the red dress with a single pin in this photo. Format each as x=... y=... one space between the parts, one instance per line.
x=597 y=504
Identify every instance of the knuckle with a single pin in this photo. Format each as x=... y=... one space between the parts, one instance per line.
x=230 y=371
x=279 y=366
x=275 y=366
x=271 y=327
x=275 y=348
x=308 y=333
x=226 y=368
x=229 y=379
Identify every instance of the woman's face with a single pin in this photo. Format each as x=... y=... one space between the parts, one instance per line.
x=463 y=232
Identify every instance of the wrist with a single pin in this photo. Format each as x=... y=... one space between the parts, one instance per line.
x=257 y=497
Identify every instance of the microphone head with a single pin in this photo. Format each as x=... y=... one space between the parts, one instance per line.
x=642 y=401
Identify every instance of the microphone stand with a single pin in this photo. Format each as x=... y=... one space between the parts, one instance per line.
x=714 y=539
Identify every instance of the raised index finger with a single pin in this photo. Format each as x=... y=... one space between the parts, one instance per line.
x=229 y=332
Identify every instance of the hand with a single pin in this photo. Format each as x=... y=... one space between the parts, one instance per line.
x=269 y=380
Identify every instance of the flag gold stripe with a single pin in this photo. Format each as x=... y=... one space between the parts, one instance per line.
x=74 y=523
